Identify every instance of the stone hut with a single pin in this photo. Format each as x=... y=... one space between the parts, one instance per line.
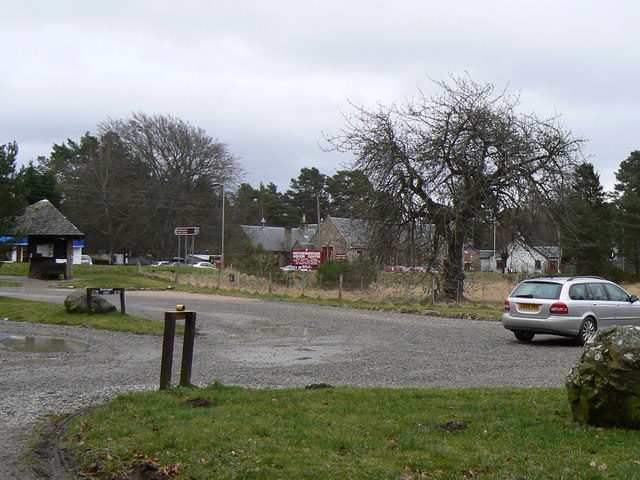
x=50 y=240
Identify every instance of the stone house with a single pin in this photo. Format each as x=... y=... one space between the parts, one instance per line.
x=341 y=239
x=280 y=241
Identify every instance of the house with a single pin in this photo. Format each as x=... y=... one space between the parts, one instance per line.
x=472 y=259
x=341 y=239
x=533 y=259
x=50 y=237
x=280 y=241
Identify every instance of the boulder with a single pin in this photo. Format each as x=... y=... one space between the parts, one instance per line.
x=604 y=386
x=77 y=303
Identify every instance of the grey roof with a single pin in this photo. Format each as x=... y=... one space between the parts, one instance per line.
x=354 y=231
x=42 y=218
x=549 y=251
x=485 y=254
x=273 y=238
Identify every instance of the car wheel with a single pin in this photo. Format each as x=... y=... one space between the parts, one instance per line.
x=587 y=329
x=524 y=336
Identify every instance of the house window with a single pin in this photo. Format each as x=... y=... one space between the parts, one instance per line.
x=538 y=265
x=359 y=253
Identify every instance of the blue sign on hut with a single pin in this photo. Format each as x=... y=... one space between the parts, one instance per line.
x=50 y=240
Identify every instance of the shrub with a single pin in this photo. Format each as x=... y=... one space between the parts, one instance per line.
x=616 y=274
x=358 y=273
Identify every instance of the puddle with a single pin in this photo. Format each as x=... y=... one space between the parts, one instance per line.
x=293 y=331
x=15 y=343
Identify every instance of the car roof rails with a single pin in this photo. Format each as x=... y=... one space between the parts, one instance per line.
x=545 y=276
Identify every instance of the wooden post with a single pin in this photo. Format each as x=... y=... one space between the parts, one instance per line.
x=68 y=271
x=167 y=349
x=89 y=301
x=187 y=349
x=122 y=309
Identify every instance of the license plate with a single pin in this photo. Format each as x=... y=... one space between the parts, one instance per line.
x=529 y=306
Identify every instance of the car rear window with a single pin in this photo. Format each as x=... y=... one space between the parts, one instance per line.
x=547 y=290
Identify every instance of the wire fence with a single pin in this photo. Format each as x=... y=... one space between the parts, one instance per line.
x=394 y=287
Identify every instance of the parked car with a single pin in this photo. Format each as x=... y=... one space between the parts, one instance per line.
x=140 y=259
x=159 y=263
x=568 y=306
x=86 y=260
x=203 y=265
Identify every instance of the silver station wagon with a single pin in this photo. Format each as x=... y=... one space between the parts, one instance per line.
x=568 y=306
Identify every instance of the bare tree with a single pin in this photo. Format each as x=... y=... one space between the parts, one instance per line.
x=175 y=151
x=131 y=185
x=448 y=159
x=186 y=171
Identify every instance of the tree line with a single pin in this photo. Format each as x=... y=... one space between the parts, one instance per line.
x=430 y=176
x=130 y=184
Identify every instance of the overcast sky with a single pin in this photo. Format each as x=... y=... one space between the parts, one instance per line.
x=268 y=77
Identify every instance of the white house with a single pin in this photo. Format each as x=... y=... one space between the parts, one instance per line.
x=533 y=259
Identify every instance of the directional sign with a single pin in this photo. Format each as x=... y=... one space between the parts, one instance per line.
x=187 y=230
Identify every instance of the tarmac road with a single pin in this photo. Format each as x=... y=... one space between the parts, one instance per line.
x=266 y=344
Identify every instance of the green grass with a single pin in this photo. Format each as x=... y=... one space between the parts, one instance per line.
x=125 y=276
x=351 y=433
x=113 y=276
x=43 y=312
x=18 y=268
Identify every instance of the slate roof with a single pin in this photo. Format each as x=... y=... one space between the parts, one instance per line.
x=43 y=219
x=354 y=231
x=273 y=238
x=549 y=251
x=485 y=254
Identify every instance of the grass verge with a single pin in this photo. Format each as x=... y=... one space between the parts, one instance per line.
x=222 y=432
x=42 y=312
x=127 y=276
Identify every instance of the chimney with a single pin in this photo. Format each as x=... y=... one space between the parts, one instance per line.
x=287 y=238
x=304 y=224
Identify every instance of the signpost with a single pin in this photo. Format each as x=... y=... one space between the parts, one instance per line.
x=186 y=232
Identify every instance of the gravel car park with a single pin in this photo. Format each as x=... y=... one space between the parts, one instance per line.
x=568 y=306
x=257 y=343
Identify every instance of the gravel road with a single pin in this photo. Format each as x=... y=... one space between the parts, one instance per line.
x=257 y=343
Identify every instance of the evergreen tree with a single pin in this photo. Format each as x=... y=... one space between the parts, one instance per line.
x=308 y=194
x=36 y=184
x=276 y=207
x=11 y=202
x=627 y=213
x=350 y=192
x=587 y=243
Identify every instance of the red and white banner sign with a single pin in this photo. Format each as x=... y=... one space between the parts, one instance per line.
x=307 y=258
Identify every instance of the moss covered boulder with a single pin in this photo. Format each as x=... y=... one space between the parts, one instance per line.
x=77 y=303
x=604 y=386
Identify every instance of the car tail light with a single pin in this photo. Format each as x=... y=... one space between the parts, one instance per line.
x=506 y=305
x=559 y=308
